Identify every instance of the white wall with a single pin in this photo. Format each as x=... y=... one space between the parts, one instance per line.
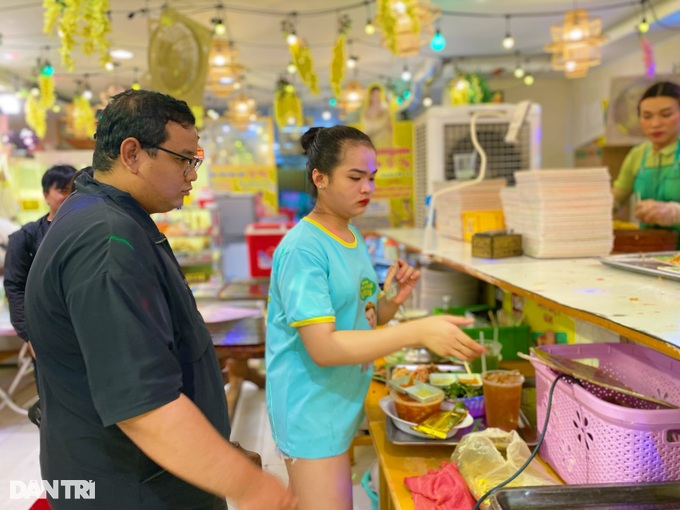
x=589 y=92
x=554 y=96
x=572 y=110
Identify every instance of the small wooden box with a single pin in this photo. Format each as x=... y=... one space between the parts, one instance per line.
x=496 y=244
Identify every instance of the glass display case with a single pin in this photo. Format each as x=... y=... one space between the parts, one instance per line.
x=194 y=236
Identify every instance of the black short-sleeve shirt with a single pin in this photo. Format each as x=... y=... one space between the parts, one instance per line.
x=116 y=333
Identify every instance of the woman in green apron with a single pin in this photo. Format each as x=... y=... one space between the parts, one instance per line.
x=651 y=170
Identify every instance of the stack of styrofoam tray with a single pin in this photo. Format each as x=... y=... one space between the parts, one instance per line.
x=561 y=213
x=450 y=206
x=438 y=281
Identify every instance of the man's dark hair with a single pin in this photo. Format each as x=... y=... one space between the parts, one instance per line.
x=141 y=114
x=61 y=175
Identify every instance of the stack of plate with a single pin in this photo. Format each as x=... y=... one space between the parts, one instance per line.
x=439 y=285
x=561 y=213
x=450 y=206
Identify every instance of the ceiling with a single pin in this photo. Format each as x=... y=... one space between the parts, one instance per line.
x=473 y=30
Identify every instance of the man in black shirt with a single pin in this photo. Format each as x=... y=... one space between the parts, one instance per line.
x=23 y=244
x=131 y=391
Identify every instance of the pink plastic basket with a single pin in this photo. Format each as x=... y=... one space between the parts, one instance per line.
x=591 y=440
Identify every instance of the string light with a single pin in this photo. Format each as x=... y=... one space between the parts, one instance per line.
x=369 y=28
x=438 y=41
x=135 y=81
x=219 y=27
x=643 y=26
x=508 y=41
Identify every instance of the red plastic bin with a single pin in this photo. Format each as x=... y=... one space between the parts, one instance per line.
x=262 y=239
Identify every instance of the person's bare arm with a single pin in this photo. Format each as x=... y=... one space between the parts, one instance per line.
x=329 y=347
x=181 y=440
x=620 y=197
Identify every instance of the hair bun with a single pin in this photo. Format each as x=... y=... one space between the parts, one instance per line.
x=308 y=138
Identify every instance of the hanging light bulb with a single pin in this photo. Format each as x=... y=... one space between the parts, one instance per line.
x=47 y=69
x=528 y=80
x=87 y=94
x=326 y=115
x=427 y=101
x=406 y=74
x=219 y=60
x=35 y=91
x=438 y=41
x=291 y=68
x=56 y=108
x=399 y=7
x=369 y=28
x=220 y=28
x=351 y=62
x=518 y=72
x=508 y=41
x=109 y=66
x=643 y=26
x=136 y=86
x=292 y=39
x=570 y=66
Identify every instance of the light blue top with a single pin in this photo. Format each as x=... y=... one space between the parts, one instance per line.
x=316 y=277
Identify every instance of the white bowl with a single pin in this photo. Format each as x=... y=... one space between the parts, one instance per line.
x=387 y=405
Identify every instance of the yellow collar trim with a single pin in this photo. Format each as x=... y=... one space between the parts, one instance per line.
x=667 y=151
x=331 y=234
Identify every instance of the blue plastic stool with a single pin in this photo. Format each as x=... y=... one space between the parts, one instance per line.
x=366 y=484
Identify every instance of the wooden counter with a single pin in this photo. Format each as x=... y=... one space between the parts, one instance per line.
x=397 y=462
x=639 y=307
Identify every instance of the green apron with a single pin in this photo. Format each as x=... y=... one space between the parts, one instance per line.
x=661 y=183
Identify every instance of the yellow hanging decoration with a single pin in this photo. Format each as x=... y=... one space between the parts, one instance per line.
x=96 y=27
x=84 y=125
x=338 y=66
x=199 y=114
x=36 y=117
x=406 y=25
x=52 y=9
x=302 y=58
x=84 y=18
x=47 y=96
x=338 y=60
x=287 y=105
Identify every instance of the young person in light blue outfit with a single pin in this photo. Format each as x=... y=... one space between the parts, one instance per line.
x=320 y=343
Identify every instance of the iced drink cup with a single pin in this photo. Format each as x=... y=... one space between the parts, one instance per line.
x=502 y=396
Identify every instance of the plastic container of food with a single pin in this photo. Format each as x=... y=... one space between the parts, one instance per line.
x=411 y=410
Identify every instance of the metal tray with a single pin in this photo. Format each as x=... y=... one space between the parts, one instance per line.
x=645 y=263
x=396 y=436
x=639 y=496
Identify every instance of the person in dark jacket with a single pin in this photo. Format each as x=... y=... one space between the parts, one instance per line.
x=23 y=244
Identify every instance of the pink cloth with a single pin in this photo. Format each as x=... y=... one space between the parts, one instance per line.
x=440 y=489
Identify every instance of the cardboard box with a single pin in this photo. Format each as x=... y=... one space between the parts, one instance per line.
x=496 y=245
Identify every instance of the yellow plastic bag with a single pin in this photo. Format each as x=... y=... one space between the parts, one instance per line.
x=488 y=458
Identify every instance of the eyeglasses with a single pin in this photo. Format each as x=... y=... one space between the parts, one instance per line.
x=189 y=163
